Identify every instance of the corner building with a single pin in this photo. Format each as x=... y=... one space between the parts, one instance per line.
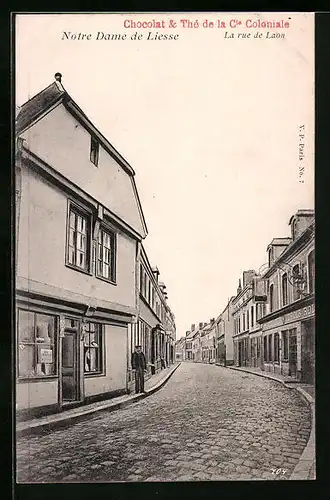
x=79 y=226
x=288 y=328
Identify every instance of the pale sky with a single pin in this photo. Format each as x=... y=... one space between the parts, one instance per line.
x=210 y=126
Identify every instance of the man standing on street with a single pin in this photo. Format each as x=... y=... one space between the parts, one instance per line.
x=139 y=365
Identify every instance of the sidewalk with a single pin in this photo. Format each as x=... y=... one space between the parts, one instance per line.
x=66 y=417
x=306 y=466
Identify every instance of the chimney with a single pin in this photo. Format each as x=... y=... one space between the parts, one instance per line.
x=156 y=273
x=212 y=320
x=239 y=288
x=248 y=276
x=201 y=324
x=187 y=333
x=192 y=327
x=300 y=221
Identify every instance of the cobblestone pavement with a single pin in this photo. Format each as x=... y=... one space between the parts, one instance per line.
x=206 y=423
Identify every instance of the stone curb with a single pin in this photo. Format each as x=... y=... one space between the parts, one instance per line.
x=64 y=420
x=307 y=458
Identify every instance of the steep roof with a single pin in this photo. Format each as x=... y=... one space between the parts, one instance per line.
x=34 y=107
x=55 y=94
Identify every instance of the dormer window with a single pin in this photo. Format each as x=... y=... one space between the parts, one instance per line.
x=94 y=154
x=285 y=289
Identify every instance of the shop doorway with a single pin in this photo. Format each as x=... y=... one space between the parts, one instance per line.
x=292 y=353
x=70 y=380
x=153 y=349
x=308 y=352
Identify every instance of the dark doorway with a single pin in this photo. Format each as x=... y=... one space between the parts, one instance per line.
x=308 y=352
x=293 y=353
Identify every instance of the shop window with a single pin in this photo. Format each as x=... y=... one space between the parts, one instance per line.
x=93 y=348
x=94 y=152
x=285 y=345
x=265 y=349
x=270 y=346
x=276 y=347
x=285 y=289
x=78 y=239
x=311 y=272
x=106 y=255
x=36 y=344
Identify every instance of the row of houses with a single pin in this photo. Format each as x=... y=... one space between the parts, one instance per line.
x=269 y=323
x=86 y=293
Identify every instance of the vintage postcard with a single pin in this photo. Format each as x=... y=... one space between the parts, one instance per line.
x=164 y=247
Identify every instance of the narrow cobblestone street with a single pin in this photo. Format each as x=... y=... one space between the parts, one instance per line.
x=206 y=423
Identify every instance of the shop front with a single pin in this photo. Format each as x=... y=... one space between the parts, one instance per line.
x=289 y=342
x=67 y=358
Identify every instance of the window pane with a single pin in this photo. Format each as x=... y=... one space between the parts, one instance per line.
x=71 y=237
x=106 y=270
x=26 y=326
x=67 y=351
x=79 y=222
x=45 y=328
x=87 y=360
x=105 y=255
x=93 y=359
x=80 y=259
x=83 y=225
x=106 y=240
x=72 y=220
x=26 y=360
x=71 y=255
x=45 y=360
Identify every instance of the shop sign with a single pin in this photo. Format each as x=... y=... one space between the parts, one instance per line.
x=300 y=314
x=46 y=356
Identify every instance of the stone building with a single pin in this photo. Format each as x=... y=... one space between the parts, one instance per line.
x=180 y=349
x=247 y=308
x=208 y=346
x=155 y=328
x=224 y=336
x=79 y=227
x=189 y=344
x=288 y=323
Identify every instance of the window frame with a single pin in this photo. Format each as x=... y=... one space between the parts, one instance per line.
x=87 y=214
x=104 y=228
x=270 y=348
x=285 y=345
x=94 y=152
x=311 y=275
x=265 y=349
x=284 y=289
x=101 y=372
x=271 y=298
x=36 y=377
x=276 y=347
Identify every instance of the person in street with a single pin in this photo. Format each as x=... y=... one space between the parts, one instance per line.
x=139 y=366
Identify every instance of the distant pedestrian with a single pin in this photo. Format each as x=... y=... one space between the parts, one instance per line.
x=139 y=365
x=162 y=363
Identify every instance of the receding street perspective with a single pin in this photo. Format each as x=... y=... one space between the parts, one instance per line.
x=164 y=248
